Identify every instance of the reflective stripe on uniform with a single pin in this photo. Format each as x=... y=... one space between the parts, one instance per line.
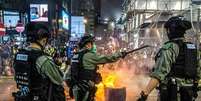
x=75 y=61
x=75 y=56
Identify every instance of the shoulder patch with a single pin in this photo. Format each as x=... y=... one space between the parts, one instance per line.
x=22 y=57
x=191 y=46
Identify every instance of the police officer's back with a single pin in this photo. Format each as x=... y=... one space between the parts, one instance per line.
x=36 y=75
x=176 y=64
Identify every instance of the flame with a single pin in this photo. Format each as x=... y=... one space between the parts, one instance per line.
x=110 y=79
x=128 y=73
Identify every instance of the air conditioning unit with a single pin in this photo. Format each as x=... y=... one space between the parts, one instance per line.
x=198 y=2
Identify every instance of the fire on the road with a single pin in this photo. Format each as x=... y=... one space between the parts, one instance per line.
x=109 y=80
x=118 y=78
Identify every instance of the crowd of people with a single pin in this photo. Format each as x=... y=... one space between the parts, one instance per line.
x=7 y=52
x=9 y=49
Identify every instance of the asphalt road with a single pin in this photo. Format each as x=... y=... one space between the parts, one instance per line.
x=7 y=86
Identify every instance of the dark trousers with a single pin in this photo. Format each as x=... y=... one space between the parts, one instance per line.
x=186 y=94
x=83 y=95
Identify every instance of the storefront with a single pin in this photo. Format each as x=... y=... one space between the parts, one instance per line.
x=10 y=20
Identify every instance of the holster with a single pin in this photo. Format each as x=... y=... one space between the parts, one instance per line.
x=98 y=78
x=71 y=92
x=163 y=91
x=93 y=91
x=17 y=97
x=195 y=88
x=168 y=92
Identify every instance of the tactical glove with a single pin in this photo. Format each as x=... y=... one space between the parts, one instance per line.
x=24 y=91
x=123 y=54
x=143 y=97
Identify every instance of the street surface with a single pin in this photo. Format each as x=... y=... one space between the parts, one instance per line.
x=7 y=86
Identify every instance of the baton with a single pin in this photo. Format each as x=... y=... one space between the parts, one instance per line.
x=131 y=51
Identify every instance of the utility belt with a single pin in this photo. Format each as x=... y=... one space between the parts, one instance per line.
x=18 y=97
x=91 y=75
x=168 y=92
x=84 y=86
x=85 y=82
x=29 y=97
x=171 y=90
x=36 y=94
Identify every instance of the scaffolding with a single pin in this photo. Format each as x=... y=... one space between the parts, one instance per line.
x=144 y=19
x=138 y=11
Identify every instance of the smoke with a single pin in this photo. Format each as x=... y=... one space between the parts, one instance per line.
x=131 y=72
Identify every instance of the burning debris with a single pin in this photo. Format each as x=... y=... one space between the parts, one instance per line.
x=122 y=80
x=115 y=94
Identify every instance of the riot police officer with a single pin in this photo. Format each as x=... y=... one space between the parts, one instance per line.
x=36 y=75
x=176 y=69
x=83 y=72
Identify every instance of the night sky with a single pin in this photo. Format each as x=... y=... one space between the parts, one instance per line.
x=111 y=8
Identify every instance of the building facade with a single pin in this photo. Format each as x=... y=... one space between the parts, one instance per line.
x=90 y=9
x=47 y=11
x=143 y=19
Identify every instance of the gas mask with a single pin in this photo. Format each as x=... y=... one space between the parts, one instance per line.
x=94 y=49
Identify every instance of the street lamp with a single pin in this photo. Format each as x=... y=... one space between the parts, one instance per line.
x=112 y=25
x=106 y=19
x=85 y=21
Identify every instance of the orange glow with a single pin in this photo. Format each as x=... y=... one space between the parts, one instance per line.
x=110 y=79
x=118 y=75
x=129 y=73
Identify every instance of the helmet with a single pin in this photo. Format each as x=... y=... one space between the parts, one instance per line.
x=36 y=31
x=178 y=22
x=177 y=26
x=85 y=39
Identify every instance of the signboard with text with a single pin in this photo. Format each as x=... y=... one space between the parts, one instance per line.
x=2 y=29
x=65 y=20
x=77 y=27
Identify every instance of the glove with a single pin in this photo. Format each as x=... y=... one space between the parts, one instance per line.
x=195 y=88
x=24 y=91
x=123 y=54
x=71 y=93
x=143 y=96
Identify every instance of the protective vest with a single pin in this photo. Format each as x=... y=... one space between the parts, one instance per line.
x=78 y=72
x=185 y=65
x=26 y=74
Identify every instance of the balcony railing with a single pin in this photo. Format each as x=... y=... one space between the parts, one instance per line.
x=130 y=5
